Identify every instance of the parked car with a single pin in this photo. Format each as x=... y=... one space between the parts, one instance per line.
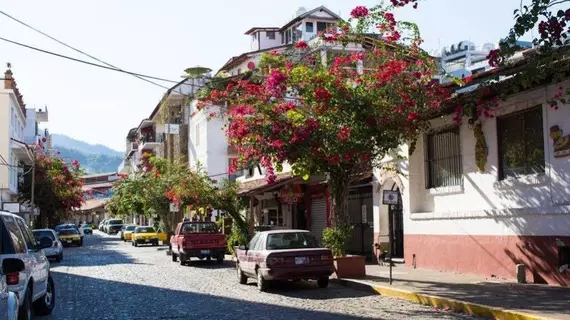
x=144 y=235
x=9 y=300
x=28 y=272
x=70 y=237
x=101 y=224
x=86 y=229
x=198 y=239
x=55 y=251
x=283 y=255
x=113 y=226
x=127 y=232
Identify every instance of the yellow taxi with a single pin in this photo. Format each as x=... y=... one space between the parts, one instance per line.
x=127 y=234
x=162 y=235
x=144 y=235
x=70 y=237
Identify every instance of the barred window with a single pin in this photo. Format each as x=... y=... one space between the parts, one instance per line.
x=443 y=159
x=521 y=143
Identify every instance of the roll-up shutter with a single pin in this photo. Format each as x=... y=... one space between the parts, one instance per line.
x=318 y=217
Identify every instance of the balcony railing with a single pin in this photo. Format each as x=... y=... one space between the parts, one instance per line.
x=151 y=141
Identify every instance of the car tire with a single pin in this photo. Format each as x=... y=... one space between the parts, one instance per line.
x=242 y=278
x=25 y=310
x=44 y=305
x=81 y=243
x=136 y=244
x=323 y=282
x=262 y=284
x=182 y=260
x=220 y=259
x=59 y=257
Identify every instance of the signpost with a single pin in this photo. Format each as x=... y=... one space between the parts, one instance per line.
x=390 y=198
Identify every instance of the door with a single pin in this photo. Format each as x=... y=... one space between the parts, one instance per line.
x=41 y=264
x=300 y=216
x=396 y=215
x=246 y=256
x=318 y=218
x=360 y=210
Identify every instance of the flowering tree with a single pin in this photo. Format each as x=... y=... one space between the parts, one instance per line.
x=57 y=189
x=336 y=117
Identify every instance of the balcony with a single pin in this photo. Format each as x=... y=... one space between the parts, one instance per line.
x=131 y=148
x=124 y=167
x=21 y=151
x=150 y=141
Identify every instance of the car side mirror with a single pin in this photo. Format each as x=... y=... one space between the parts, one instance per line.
x=12 y=265
x=243 y=247
x=45 y=242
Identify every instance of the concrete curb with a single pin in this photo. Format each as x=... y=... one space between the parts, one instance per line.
x=440 y=302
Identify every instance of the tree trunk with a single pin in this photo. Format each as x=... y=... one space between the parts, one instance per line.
x=339 y=186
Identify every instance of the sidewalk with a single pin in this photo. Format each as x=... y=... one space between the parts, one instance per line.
x=467 y=293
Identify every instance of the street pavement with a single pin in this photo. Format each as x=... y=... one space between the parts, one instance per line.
x=109 y=279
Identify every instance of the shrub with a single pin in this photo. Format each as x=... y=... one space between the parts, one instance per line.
x=335 y=238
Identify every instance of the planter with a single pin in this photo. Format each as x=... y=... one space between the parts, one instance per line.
x=350 y=267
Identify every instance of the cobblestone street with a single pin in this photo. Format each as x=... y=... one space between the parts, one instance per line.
x=109 y=279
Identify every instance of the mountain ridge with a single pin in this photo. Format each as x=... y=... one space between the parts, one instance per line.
x=93 y=158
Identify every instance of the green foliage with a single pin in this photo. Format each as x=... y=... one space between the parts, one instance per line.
x=237 y=237
x=336 y=238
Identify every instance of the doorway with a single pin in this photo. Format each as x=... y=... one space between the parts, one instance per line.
x=396 y=214
x=300 y=216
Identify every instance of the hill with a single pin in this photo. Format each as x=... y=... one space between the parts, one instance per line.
x=92 y=158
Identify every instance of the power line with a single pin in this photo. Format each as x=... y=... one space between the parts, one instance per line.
x=75 y=49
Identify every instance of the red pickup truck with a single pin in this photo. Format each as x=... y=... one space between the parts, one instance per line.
x=198 y=239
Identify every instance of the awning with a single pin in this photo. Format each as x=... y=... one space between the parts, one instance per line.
x=261 y=185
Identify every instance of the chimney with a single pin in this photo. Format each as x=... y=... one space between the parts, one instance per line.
x=8 y=79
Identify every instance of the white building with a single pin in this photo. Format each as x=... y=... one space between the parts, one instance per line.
x=14 y=152
x=456 y=217
x=36 y=134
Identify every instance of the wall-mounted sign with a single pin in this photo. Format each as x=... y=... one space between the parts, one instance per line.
x=390 y=197
x=291 y=195
x=560 y=142
x=172 y=128
x=173 y=207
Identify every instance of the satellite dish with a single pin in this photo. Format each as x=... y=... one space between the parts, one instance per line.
x=487 y=47
x=300 y=11
x=251 y=65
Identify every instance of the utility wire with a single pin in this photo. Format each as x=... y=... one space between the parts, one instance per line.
x=75 y=49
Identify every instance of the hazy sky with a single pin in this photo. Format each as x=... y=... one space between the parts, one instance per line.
x=162 y=38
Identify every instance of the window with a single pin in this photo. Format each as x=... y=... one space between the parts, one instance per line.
x=521 y=143
x=270 y=35
x=253 y=241
x=44 y=234
x=324 y=26
x=291 y=240
x=28 y=235
x=199 y=227
x=239 y=71
x=254 y=36
x=443 y=159
x=250 y=172
x=274 y=218
x=260 y=243
x=309 y=27
x=197 y=140
x=288 y=36
x=15 y=234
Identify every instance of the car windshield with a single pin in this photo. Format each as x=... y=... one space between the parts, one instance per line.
x=85 y=225
x=291 y=240
x=145 y=230
x=43 y=233
x=68 y=232
x=199 y=227
x=130 y=228
x=116 y=222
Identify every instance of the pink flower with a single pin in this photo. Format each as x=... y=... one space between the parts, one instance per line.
x=413 y=116
x=301 y=45
x=359 y=12
x=275 y=83
x=344 y=133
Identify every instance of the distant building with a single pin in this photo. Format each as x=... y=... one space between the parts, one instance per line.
x=97 y=190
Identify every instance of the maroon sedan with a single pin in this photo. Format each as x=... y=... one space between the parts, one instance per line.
x=284 y=255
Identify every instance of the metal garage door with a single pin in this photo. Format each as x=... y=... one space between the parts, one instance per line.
x=318 y=217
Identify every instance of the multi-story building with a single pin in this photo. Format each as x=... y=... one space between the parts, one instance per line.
x=36 y=134
x=486 y=217
x=97 y=190
x=14 y=151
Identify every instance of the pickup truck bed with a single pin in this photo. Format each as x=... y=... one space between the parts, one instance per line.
x=199 y=240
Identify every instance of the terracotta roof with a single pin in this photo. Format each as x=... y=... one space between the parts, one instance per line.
x=92 y=204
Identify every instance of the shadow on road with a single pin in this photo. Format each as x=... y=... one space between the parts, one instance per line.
x=117 y=300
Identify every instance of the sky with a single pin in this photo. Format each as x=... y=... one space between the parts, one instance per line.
x=162 y=38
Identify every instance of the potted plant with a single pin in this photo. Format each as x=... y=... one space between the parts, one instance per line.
x=345 y=266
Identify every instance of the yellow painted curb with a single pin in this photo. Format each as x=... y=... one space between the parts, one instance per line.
x=452 y=304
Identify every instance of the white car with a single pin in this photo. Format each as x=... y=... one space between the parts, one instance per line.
x=55 y=251
x=85 y=229
x=33 y=284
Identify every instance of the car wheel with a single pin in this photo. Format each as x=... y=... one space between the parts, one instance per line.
x=136 y=244
x=59 y=257
x=262 y=284
x=25 y=310
x=44 y=305
x=220 y=259
x=323 y=282
x=242 y=278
